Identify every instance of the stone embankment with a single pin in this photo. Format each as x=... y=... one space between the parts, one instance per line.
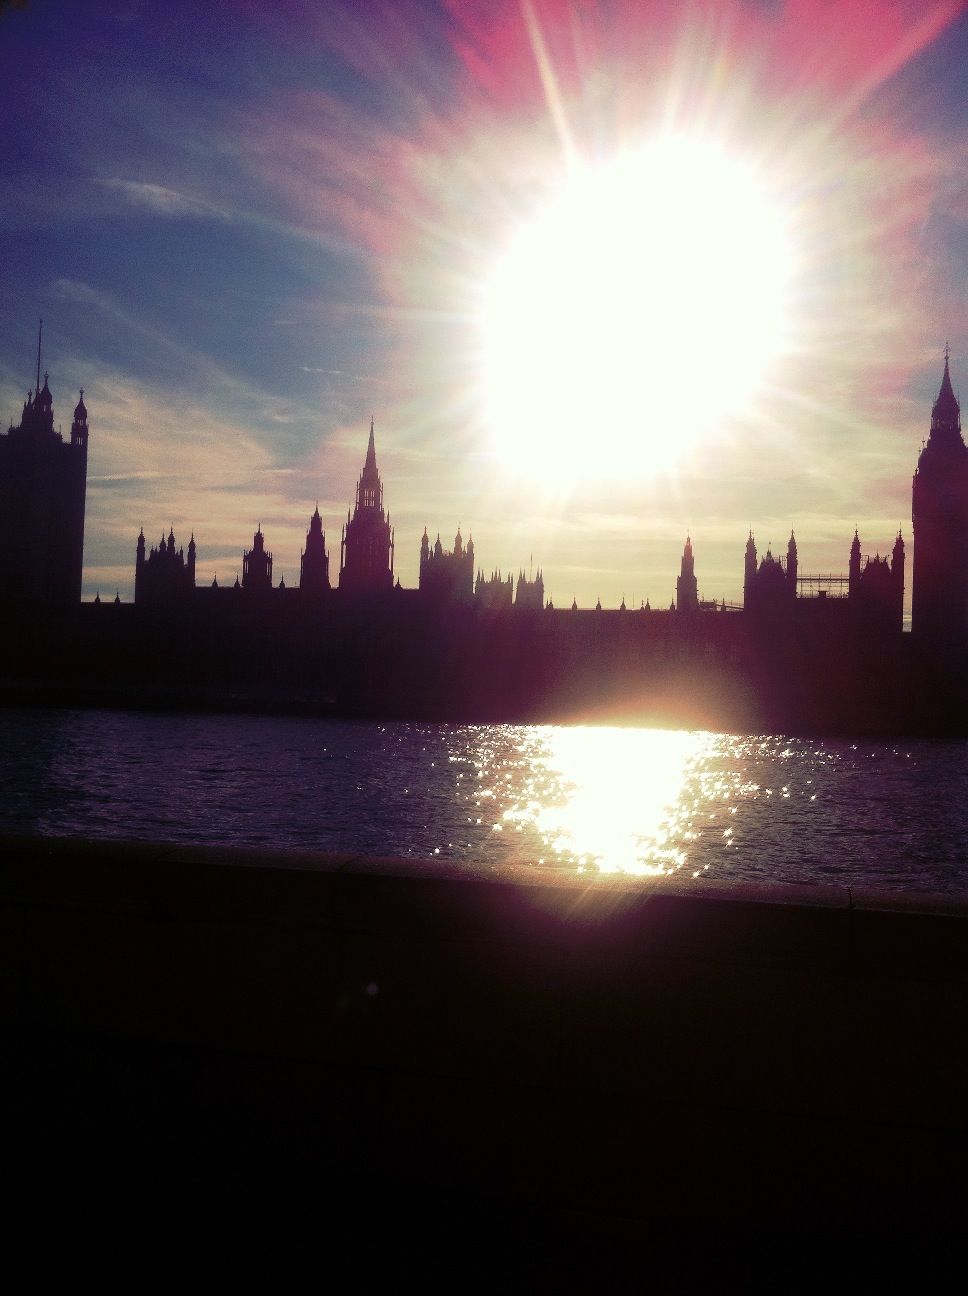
x=601 y=1057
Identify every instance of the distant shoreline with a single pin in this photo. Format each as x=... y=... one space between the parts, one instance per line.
x=298 y=704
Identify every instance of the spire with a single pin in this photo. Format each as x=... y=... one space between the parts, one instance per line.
x=946 y=412
x=40 y=334
x=946 y=396
x=370 y=462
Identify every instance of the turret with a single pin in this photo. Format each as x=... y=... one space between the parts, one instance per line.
x=791 y=567
x=314 y=560
x=749 y=569
x=897 y=575
x=687 y=598
x=853 y=569
x=79 y=428
x=257 y=565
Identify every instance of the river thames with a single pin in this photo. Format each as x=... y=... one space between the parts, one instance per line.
x=636 y=801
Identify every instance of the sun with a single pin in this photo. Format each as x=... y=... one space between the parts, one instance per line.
x=634 y=312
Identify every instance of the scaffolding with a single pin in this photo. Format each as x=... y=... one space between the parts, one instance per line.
x=823 y=586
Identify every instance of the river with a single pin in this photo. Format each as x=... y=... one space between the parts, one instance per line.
x=637 y=801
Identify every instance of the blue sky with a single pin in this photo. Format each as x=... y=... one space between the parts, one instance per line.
x=249 y=227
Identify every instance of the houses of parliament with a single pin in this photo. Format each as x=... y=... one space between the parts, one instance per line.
x=804 y=652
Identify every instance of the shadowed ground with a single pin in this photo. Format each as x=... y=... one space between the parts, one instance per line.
x=404 y=1063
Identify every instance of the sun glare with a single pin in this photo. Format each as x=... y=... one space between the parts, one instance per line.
x=633 y=313
x=625 y=811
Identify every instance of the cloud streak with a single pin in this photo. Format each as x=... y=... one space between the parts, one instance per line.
x=162 y=201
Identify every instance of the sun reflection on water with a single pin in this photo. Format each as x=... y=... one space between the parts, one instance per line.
x=760 y=808
x=622 y=797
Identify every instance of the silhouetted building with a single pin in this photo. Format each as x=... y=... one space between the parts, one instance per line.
x=446 y=576
x=529 y=593
x=257 y=565
x=769 y=587
x=494 y=591
x=872 y=593
x=876 y=588
x=366 y=550
x=43 y=481
x=164 y=575
x=314 y=561
x=687 y=594
x=939 y=611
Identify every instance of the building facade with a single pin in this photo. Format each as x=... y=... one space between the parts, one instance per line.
x=43 y=483
x=165 y=574
x=447 y=576
x=494 y=591
x=529 y=592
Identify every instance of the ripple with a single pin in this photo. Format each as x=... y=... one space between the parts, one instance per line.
x=643 y=802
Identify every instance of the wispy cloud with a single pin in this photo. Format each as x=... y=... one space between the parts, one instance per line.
x=164 y=201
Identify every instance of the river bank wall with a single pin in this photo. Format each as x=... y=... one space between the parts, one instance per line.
x=649 y=1059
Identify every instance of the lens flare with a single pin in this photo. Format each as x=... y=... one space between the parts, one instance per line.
x=636 y=309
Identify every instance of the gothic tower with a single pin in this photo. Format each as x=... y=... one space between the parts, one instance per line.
x=314 y=563
x=687 y=598
x=792 y=567
x=939 y=612
x=43 y=482
x=257 y=565
x=749 y=570
x=853 y=568
x=366 y=550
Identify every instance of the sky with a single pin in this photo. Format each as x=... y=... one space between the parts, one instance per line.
x=249 y=228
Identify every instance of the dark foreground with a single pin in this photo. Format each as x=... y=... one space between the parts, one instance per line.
x=533 y=1080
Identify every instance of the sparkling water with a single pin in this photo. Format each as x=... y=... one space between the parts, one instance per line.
x=636 y=801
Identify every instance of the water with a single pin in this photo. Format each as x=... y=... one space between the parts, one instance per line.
x=638 y=801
